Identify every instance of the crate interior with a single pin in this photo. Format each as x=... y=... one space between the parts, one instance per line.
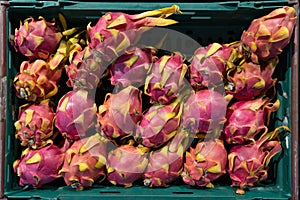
x=204 y=23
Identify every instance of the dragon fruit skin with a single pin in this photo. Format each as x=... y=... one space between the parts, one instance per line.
x=190 y=116
x=84 y=71
x=84 y=162
x=35 y=124
x=132 y=67
x=166 y=164
x=165 y=80
x=120 y=113
x=268 y=35
x=39 y=167
x=76 y=114
x=159 y=124
x=123 y=22
x=126 y=164
x=248 y=164
x=246 y=119
x=211 y=110
x=251 y=81
x=209 y=65
x=36 y=81
x=164 y=167
x=36 y=39
x=205 y=163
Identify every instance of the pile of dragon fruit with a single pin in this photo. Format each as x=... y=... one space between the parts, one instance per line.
x=129 y=115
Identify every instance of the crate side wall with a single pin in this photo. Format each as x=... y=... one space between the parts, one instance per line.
x=205 y=27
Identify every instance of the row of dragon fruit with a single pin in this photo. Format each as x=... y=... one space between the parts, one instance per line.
x=167 y=119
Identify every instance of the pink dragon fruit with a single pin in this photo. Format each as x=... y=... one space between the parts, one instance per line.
x=84 y=71
x=76 y=114
x=246 y=119
x=248 y=164
x=205 y=163
x=166 y=164
x=250 y=81
x=35 y=124
x=159 y=124
x=84 y=162
x=126 y=164
x=90 y=65
x=39 y=167
x=132 y=67
x=211 y=110
x=120 y=113
x=122 y=22
x=268 y=35
x=37 y=39
x=36 y=81
x=166 y=79
x=209 y=65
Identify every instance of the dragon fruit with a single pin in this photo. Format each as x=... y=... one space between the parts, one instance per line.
x=205 y=163
x=166 y=79
x=83 y=71
x=126 y=164
x=250 y=81
x=248 y=164
x=36 y=81
x=211 y=108
x=246 y=119
x=159 y=124
x=35 y=124
x=268 y=35
x=132 y=67
x=209 y=65
x=39 y=167
x=76 y=115
x=88 y=66
x=84 y=162
x=120 y=113
x=122 y=22
x=37 y=39
x=166 y=164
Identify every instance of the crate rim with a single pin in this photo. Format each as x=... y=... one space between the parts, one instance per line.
x=107 y=5
x=294 y=90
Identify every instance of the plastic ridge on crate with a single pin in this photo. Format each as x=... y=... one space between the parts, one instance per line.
x=206 y=22
x=108 y=6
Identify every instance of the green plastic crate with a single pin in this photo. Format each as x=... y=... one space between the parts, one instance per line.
x=206 y=23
